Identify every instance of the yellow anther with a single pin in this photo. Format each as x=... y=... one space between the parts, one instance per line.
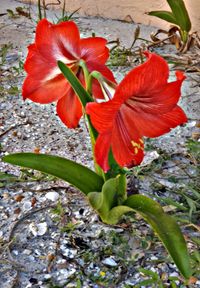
x=138 y=145
x=136 y=150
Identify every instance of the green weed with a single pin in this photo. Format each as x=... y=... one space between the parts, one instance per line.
x=4 y=52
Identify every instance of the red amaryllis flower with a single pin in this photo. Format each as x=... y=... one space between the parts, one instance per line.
x=144 y=104
x=45 y=83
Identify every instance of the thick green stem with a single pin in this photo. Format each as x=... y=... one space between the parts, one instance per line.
x=184 y=36
x=93 y=133
x=86 y=73
x=39 y=10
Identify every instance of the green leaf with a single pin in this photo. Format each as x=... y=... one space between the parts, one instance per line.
x=116 y=213
x=84 y=98
x=149 y=273
x=164 y=15
x=166 y=228
x=81 y=177
x=147 y=282
x=178 y=16
x=180 y=13
x=169 y=201
x=113 y=193
x=39 y=10
x=7 y=177
x=83 y=95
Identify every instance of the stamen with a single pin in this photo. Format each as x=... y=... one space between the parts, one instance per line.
x=137 y=145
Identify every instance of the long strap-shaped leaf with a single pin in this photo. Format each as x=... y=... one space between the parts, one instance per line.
x=166 y=228
x=80 y=176
x=164 y=15
x=178 y=16
x=84 y=98
x=113 y=193
x=83 y=95
x=105 y=203
x=180 y=13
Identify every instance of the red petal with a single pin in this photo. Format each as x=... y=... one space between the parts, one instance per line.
x=102 y=115
x=44 y=92
x=45 y=83
x=96 y=90
x=102 y=148
x=151 y=125
x=58 y=41
x=94 y=49
x=127 y=146
x=37 y=66
x=31 y=52
x=160 y=102
x=103 y=69
x=175 y=117
x=144 y=80
x=69 y=109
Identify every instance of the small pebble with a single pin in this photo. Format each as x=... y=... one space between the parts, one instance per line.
x=38 y=229
x=5 y=195
x=27 y=252
x=191 y=124
x=15 y=252
x=47 y=276
x=27 y=205
x=110 y=262
x=70 y=253
x=174 y=274
x=53 y=196
x=154 y=258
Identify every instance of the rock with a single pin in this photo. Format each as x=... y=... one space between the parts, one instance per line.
x=70 y=253
x=150 y=157
x=27 y=252
x=38 y=229
x=27 y=205
x=53 y=196
x=109 y=262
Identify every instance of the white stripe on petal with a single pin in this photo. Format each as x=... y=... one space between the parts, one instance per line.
x=55 y=72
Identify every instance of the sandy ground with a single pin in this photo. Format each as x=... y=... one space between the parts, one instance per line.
x=129 y=10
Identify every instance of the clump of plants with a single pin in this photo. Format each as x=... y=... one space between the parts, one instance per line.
x=71 y=71
x=179 y=34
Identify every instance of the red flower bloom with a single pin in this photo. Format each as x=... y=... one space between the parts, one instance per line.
x=45 y=82
x=144 y=104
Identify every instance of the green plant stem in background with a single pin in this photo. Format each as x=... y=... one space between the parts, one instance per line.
x=39 y=10
x=181 y=14
x=178 y=16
